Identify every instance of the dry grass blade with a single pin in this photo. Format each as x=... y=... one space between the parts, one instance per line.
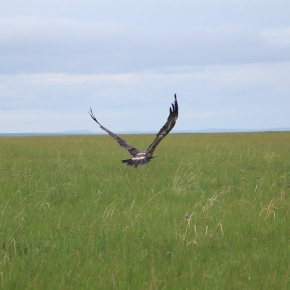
x=183 y=180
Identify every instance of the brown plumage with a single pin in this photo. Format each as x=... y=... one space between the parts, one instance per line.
x=143 y=157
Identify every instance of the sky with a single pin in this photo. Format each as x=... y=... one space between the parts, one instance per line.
x=227 y=61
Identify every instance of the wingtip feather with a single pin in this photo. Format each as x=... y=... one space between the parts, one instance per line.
x=91 y=113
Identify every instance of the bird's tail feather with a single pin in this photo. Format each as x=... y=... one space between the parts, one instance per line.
x=136 y=162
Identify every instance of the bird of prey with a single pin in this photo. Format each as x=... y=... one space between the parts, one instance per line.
x=143 y=157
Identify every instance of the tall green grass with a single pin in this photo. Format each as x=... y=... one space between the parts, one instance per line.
x=210 y=212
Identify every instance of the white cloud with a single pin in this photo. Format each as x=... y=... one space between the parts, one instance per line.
x=64 y=79
x=69 y=46
x=223 y=96
x=228 y=62
x=280 y=36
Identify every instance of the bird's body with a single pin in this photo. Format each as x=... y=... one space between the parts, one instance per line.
x=143 y=157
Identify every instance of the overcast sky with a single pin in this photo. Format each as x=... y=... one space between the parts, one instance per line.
x=227 y=61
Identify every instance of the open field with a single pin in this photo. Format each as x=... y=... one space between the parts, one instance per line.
x=72 y=216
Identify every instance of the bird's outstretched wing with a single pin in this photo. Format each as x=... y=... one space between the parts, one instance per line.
x=171 y=120
x=133 y=151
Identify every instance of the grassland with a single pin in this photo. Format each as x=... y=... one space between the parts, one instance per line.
x=211 y=212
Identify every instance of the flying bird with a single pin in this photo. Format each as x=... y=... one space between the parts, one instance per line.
x=143 y=157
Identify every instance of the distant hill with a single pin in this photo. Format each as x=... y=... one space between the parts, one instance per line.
x=214 y=130
x=87 y=132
